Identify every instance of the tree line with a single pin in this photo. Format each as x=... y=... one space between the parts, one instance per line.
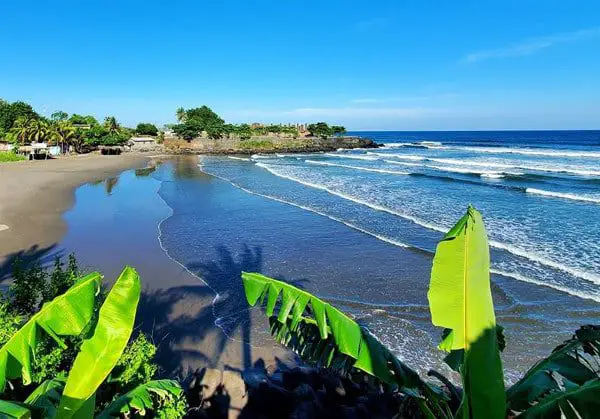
x=196 y=122
x=21 y=125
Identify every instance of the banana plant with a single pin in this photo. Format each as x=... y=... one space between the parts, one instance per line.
x=66 y=315
x=69 y=314
x=323 y=335
x=567 y=381
x=460 y=300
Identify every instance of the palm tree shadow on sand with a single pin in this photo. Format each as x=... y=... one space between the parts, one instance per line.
x=184 y=319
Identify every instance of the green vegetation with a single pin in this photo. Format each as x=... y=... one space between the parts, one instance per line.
x=565 y=384
x=146 y=129
x=204 y=121
x=76 y=348
x=9 y=156
x=322 y=130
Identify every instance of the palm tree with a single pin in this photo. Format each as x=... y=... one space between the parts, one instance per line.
x=111 y=124
x=181 y=114
x=64 y=133
x=39 y=131
x=21 y=130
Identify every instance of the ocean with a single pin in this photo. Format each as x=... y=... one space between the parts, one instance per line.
x=359 y=229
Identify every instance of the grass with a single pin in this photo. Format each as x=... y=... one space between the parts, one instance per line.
x=8 y=156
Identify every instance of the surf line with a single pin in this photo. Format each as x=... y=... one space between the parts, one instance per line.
x=588 y=276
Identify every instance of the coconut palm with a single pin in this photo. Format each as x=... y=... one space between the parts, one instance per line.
x=39 y=131
x=111 y=125
x=21 y=130
x=64 y=133
x=181 y=114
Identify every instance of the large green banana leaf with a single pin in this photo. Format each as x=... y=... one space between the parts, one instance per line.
x=576 y=360
x=11 y=410
x=577 y=402
x=142 y=398
x=364 y=351
x=66 y=315
x=46 y=396
x=99 y=354
x=460 y=299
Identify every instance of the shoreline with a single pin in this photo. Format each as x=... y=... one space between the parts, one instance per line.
x=34 y=195
x=172 y=294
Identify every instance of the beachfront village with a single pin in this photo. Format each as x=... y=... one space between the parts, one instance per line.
x=25 y=134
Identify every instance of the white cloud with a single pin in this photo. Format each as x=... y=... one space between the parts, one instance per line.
x=532 y=45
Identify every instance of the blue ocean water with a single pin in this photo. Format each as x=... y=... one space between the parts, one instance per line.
x=539 y=193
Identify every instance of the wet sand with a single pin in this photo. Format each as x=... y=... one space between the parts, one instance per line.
x=115 y=222
x=35 y=194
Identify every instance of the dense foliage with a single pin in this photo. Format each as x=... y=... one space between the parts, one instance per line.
x=55 y=341
x=145 y=128
x=323 y=130
x=10 y=112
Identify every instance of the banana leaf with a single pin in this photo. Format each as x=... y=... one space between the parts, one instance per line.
x=576 y=360
x=328 y=327
x=460 y=299
x=142 y=398
x=99 y=353
x=581 y=402
x=331 y=339
x=46 y=397
x=12 y=410
x=66 y=315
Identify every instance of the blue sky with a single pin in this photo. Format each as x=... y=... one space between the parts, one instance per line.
x=367 y=65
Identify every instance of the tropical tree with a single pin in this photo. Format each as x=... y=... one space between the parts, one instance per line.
x=64 y=134
x=320 y=129
x=10 y=112
x=59 y=116
x=39 y=131
x=146 y=129
x=180 y=114
x=71 y=314
x=111 y=125
x=21 y=130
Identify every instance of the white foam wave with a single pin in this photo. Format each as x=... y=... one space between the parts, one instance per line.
x=239 y=158
x=352 y=156
x=591 y=277
x=576 y=170
x=339 y=220
x=366 y=169
x=522 y=278
x=527 y=151
x=262 y=156
x=574 y=197
x=398 y=156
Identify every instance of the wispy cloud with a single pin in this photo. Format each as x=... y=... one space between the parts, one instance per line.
x=532 y=45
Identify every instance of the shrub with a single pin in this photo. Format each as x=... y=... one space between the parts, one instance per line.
x=9 y=156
